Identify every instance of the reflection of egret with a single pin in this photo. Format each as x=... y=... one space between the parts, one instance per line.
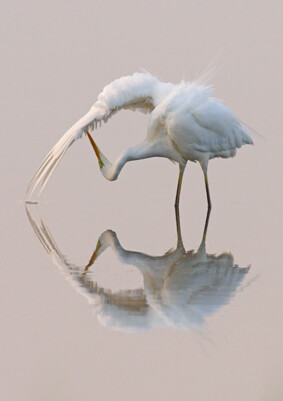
x=180 y=288
x=186 y=123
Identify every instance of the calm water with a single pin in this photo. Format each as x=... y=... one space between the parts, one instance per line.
x=106 y=294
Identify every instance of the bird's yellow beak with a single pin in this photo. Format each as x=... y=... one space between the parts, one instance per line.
x=96 y=150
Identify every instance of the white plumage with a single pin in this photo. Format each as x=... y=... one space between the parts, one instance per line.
x=186 y=123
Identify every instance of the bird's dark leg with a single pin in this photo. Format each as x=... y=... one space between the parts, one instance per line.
x=178 y=225
x=179 y=234
x=181 y=172
x=206 y=224
x=207 y=190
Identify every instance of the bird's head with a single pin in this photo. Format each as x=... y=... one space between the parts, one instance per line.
x=106 y=239
x=104 y=164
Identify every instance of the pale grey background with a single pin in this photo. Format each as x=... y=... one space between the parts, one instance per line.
x=55 y=58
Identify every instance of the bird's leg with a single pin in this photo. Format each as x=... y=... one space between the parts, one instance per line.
x=204 y=169
x=178 y=226
x=207 y=190
x=181 y=172
x=206 y=224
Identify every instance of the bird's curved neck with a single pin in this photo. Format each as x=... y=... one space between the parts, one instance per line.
x=142 y=151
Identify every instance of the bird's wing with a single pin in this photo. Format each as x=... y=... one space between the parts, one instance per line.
x=72 y=273
x=132 y=92
x=220 y=129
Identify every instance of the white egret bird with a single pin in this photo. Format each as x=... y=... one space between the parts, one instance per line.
x=186 y=123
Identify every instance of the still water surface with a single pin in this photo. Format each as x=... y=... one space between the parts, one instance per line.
x=95 y=311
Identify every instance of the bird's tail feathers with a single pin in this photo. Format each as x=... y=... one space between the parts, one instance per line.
x=51 y=161
x=252 y=130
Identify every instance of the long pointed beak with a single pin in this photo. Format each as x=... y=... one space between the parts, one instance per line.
x=96 y=150
x=93 y=257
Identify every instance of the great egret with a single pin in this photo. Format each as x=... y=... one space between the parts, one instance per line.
x=180 y=288
x=186 y=123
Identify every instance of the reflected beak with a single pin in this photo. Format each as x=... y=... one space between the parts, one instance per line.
x=93 y=257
